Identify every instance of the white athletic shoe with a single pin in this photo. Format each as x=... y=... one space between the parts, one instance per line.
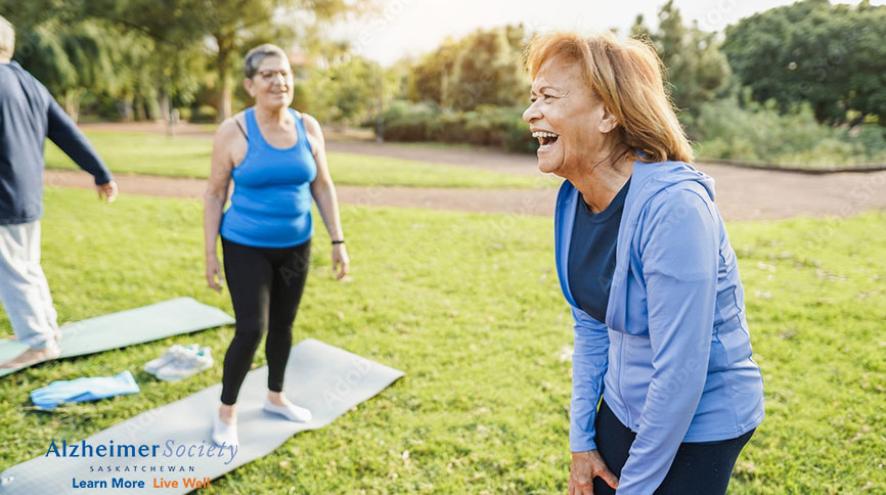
x=224 y=434
x=289 y=411
x=173 y=352
x=186 y=364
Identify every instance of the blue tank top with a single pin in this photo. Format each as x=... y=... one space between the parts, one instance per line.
x=271 y=204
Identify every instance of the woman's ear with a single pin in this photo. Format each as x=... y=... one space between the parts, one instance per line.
x=248 y=85
x=608 y=122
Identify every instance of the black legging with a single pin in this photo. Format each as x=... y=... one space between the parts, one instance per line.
x=700 y=468
x=266 y=285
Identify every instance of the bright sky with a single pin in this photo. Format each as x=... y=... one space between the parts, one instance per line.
x=414 y=27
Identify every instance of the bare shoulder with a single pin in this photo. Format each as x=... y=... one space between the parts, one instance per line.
x=312 y=126
x=226 y=129
x=231 y=126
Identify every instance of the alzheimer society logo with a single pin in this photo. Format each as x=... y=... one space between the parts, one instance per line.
x=161 y=461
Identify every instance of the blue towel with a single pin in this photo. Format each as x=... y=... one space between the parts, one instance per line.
x=83 y=390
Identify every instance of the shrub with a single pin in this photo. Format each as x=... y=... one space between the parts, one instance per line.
x=758 y=133
x=404 y=121
x=203 y=114
x=487 y=125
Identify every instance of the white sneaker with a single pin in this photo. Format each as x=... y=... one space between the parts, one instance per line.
x=224 y=434
x=289 y=411
x=186 y=364
x=174 y=351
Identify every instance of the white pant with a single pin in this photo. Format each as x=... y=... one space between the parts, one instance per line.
x=24 y=291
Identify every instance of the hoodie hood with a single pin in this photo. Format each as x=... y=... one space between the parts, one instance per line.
x=655 y=177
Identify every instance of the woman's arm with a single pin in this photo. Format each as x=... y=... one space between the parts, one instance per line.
x=589 y=362
x=214 y=198
x=323 y=191
x=679 y=250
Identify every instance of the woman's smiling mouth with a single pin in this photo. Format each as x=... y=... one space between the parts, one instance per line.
x=546 y=139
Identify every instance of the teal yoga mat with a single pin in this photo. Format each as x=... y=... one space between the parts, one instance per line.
x=327 y=380
x=134 y=326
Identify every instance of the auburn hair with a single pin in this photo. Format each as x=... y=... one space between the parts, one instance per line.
x=627 y=77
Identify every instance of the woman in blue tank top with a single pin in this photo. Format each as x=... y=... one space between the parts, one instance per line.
x=276 y=159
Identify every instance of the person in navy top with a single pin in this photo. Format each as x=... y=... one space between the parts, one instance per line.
x=665 y=393
x=276 y=159
x=28 y=115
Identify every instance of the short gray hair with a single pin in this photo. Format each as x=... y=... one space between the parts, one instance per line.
x=7 y=38
x=255 y=57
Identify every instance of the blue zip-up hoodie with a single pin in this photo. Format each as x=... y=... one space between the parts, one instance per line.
x=673 y=358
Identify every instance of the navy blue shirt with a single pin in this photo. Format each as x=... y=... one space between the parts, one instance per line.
x=28 y=115
x=592 y=254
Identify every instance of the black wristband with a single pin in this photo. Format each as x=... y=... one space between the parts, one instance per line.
x=338 y=241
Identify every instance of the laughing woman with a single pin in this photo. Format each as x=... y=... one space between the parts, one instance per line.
x=645 y=263
x=276 y=158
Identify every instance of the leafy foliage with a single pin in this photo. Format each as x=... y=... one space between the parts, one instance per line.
x=351 y=91
x=831 y=56
x=484 y=68
x=175 y=32
x=697 y=72
x=71 y=59
x=760 y=133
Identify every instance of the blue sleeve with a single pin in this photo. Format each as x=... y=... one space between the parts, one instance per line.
x=64 y=133
x=679 y=253
x=589 y=362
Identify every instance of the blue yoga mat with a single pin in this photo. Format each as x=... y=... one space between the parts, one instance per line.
x=134 y=326
x=327 y=380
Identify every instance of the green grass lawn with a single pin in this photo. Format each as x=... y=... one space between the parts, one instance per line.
x=189 y=156
x=469 y=307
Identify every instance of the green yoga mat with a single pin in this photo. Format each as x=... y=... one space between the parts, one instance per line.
x=134 y=326
x=327 y=380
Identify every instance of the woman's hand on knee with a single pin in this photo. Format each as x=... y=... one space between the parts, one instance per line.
x=585 y=467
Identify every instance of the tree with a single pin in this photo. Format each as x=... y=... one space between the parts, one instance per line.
x=832 y=56
x=71 y=59
x=697 y=72
x=484 y=68
x=427 y=79
x=76 y=53
x=487 y=71
x=231 y=27
x=351 y=91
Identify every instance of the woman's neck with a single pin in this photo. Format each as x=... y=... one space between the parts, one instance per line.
x=601 y=178
x=271 y=116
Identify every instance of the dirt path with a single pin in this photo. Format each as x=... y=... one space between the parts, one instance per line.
x=742 y=194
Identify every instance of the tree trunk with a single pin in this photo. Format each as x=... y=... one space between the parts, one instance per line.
x=166 y=112
x=225 y=98
x=139 y=106
x=124 y=106
x=72 y=104
x=164 y=104
x=226 y=87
